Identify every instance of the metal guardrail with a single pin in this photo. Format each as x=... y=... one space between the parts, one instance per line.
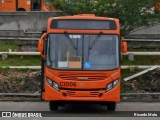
x=125 y=97
x=140 y=97
x=142 y=40
x=15 y=38
x=142 y=53
x=13 y=14
x=37 y=53
x=22 y=67
x=38 y=94
x=39 y=32
x=20 y=94
x=20 y=53
x=39 y=67
x=29 y=32
x=138 y=66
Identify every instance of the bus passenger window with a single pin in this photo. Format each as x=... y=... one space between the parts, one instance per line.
x=36 y=5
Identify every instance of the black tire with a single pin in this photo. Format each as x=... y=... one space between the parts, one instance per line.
x=53 y=105
x=111 y=106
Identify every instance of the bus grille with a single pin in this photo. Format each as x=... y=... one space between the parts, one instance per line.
x=84 y=77
x=82 y=93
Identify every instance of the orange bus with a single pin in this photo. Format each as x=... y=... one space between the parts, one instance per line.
x=81 y=60
x=157 y=6
x=24 y=5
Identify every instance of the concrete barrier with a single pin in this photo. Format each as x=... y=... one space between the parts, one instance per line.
x=24 y=24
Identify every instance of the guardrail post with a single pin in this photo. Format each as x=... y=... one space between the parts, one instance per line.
x=131 y=57
x=4 y=56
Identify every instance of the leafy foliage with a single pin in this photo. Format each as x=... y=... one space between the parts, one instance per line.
x=132 y=13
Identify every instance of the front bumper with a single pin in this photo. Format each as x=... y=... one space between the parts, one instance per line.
x=51 y=94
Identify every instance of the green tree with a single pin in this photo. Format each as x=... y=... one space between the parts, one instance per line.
x=131 y=13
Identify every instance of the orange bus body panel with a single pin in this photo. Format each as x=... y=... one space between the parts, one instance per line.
x=24 y=4
x=112 y=95
x=8 y=5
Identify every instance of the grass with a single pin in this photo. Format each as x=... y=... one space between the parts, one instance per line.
x=21 y=61
x=141 y=60
x=144 y=49
x=5 y=46
x=126 y=73
x=25 y=70
x=130 y=71
x=17 y=60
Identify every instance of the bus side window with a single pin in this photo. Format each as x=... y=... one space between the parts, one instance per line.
x=36 y=5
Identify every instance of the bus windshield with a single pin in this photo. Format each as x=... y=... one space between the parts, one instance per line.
x=82 y=51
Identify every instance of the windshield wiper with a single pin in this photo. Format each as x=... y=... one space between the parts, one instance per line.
x=96 y=39
x=70 y=40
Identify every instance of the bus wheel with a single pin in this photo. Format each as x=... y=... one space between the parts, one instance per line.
x=53 y=105
x=111 y=106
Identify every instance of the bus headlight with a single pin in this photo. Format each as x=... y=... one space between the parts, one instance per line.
x=115 y=82
x=112 y=85
x=109 y=86
x=53 y=84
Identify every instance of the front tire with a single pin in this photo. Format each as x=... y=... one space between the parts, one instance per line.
x=111 y=106
x=53 y=105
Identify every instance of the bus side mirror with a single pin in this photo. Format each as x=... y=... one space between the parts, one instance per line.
x=124 y=46
x=41 y=45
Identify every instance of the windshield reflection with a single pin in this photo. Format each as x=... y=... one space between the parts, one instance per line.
x=82 y=51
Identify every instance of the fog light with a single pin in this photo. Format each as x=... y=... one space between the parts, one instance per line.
x=100 y=94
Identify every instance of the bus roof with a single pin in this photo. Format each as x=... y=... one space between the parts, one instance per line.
x=84 y=17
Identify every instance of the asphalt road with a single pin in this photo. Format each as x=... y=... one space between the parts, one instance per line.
x=43 y=106
x=80 y=111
